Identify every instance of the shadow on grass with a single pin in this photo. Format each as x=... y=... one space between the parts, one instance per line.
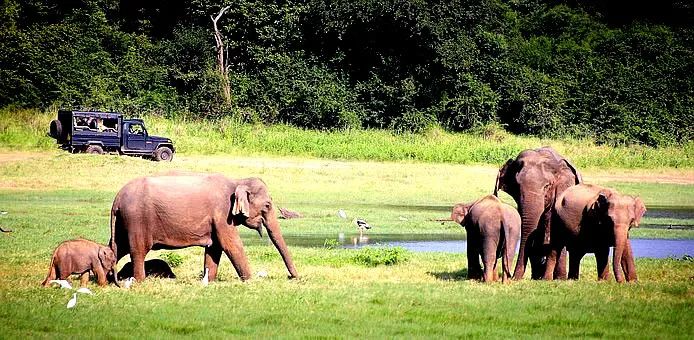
x=458 y=275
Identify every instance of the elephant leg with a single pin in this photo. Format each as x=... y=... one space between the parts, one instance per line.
x=138 y=260
x=554 y=253
x=100 y=274
x=495 y=271
x=84 y=279
x=602 y=256
x=560 y=269
x=213 y=254
x=474 y=270
x=489 y=258
x=628 y=263
x=619 y=250
x=575 y=264
x=233 y=248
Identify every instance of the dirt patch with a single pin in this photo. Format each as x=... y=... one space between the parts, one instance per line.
x=14 y=156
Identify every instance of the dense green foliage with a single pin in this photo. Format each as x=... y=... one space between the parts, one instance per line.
x=539 y=67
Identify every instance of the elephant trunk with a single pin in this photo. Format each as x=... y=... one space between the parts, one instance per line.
x=274 y=233
x=620 y=243
x=531 y=207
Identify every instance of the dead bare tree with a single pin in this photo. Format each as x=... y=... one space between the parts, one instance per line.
x=226 y=87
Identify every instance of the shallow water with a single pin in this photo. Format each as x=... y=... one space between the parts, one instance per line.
x=456 y=243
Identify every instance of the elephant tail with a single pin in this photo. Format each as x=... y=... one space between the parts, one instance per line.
x=508 y=247
x=112 y=243
x=51 y=273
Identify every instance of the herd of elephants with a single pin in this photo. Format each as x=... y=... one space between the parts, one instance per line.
x=557 y=215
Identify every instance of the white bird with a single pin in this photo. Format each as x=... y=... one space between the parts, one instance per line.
x=85 y=290
x=401 y=218
x=128 y=282
x=262 y=273
x=62 y=283
x=72 y=301
x=3 y=212
x=341 y=213
x=206 y=279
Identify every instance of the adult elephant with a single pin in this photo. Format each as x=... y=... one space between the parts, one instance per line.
x=591 y=218
x=534 y=179
x=178 y=211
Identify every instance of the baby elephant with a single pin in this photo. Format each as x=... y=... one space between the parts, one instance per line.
x=493 y=230
x=154 y=268
x=591 y=219
x=80 y=257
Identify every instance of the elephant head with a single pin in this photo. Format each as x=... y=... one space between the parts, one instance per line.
x=459 y=212
x=108 y=261
x=252 y=206
x=617 y=214
x=534 y=179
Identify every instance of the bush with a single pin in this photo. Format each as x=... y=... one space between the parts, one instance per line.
x=372 y=257
x=174 y=260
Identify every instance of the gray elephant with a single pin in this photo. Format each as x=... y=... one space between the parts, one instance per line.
x=82 y=256
x=590 y=218
x=534 y=179
x=492 y=230
x=178 y=211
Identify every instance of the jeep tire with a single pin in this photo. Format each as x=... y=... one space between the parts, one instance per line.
x=94 y=149
x=56 y=129
x=163 y=153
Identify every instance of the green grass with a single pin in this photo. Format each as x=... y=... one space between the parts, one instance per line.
x=52 y=196
x=26 y=129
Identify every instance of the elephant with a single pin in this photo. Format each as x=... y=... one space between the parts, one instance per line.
x=153 y=268
x=182 y=210
x=591 y=218
x=493 y=229
x=81 y=256
x=534 y=179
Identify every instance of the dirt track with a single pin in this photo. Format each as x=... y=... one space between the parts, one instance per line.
x=672 y=176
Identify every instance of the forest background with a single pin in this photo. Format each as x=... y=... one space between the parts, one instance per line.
x=615 y=72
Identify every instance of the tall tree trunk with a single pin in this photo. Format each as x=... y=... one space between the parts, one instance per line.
x=221 y=65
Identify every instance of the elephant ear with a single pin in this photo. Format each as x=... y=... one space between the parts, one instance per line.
x=459 y=213
x=500 y=178
x=240 y=201
x=579 y=178
x=600 y=206
x=639 y=210
x=106 y=257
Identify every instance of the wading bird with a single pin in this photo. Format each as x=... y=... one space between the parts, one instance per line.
x=62 y=283
x=85 y=290
x=361 y=225
x=129 y=282
x=341 y=213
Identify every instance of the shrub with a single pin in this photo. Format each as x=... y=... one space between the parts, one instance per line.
x=372 y=256
x=174 y=260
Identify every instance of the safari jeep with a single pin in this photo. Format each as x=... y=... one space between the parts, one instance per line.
x=99 y=132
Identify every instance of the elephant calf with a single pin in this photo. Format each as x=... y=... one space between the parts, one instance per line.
x=591 y=218
x=80 y=257
x=493 y=229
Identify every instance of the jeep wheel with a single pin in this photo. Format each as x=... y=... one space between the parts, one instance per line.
x=56 y=129
x=163 y=154
x=95 y=149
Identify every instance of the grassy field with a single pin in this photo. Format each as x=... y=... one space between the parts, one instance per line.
x=26 y=130
x=52 y=196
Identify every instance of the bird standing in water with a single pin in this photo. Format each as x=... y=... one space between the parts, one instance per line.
x=361 y=225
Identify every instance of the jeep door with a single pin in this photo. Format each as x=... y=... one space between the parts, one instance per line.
x=135 y=137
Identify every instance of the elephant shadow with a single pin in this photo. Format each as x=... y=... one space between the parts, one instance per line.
x=458 y=275
x=154 y=268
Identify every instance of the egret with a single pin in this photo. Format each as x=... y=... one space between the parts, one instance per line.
x=129 y=282
x=262 y=273
x=206 y=279
x=85 y=290
x=62 y=283
x=72 y=301
x=341 y=213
